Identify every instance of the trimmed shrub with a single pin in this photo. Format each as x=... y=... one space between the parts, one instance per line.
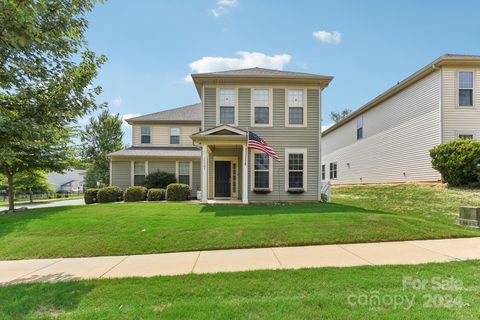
x=159 y=179
x=109 y=194
x=156 y=195
x=457 y=161
x=90 y=196
x=178 y=192
x=134 y=194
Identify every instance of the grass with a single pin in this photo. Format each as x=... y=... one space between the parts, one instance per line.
x=358 y=214
x=20 y=202
x=280 y=294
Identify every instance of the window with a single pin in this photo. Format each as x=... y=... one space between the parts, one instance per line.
x=184 y=172
x=295 y=170
x=295 y=104
x=465 y=89
x=333 y=170
x=138 y=173
x=261 y=171
x=227 y=106
x=465 y=136
x=174 y=135
x=323 y=172
x=145 y=135
x=359 y=127
x=261 y=105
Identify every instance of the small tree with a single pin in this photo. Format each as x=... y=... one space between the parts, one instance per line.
x=340 y=115
x=159 y=179
x=29 y=183
x=457 y=161
x=102 y=135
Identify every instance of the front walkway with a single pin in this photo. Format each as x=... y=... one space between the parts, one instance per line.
x=342 y=255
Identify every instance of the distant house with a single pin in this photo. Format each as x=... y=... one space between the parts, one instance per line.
x=70 y=181
x=205 y=144
x=388 y=139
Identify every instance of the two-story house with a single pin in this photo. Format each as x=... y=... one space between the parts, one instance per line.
x=388 y=139
x=205 y=144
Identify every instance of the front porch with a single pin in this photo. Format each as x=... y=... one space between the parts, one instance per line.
x=224 y=166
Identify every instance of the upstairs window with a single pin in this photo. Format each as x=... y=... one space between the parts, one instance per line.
x=174 y=135
x=227 y=102
x=145 y=136
x=465 y=89
x=261 y=105
x=138 y=173
x=184 y=173
x=261 y=171
x=359 y=127
x=296 y=106
x=333 y=170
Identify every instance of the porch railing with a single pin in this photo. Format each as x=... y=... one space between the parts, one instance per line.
x=326 y=191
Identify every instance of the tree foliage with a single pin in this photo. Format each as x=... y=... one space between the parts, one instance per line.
x=102 y=136
x=458 y=161
x=340 y=115
x=46 y=74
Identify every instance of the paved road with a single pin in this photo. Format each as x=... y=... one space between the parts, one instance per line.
x=74 y=202
x=343 y=255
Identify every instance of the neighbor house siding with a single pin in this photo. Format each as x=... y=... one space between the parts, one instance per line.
x=459 y=119
x=397 y=136
x=121 y=173
x=160 y=134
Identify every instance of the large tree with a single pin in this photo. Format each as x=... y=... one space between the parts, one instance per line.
x=46 y=75
x=102 y=135
x=338 y=116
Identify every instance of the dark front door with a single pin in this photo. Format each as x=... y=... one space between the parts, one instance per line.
x=222 y=179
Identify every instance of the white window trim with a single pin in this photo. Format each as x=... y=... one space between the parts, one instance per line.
x=177 y=172
x=305 y=109
x=252 y=171
x=132 y=170
x=330 y=170
x=363 y=126
x=217 y=97
x=475 y=134
x=179 y=136
x=305 y=167
x=457 y=89
x=270 y=108
x=151 y=130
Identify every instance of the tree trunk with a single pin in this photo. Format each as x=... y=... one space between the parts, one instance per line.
x=11 y=191
x=31 y=196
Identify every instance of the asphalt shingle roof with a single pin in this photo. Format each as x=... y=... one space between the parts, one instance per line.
x=157 y=152
x=260 y=72
x=190 y=113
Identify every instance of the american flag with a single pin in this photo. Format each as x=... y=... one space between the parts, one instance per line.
x=256 y=142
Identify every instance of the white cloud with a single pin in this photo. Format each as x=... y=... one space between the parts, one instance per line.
x=127 y=116
x=117 y=102
x=223 y=6
x=334 y=37
x=325 y=127
x=244 y=60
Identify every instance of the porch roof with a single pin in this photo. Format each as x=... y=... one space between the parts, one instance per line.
x=223 y=134
x=145 y=152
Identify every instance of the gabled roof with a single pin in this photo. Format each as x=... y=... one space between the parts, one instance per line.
x=261 y=72
x=259 y=75
x=447 y=59
x=190 y=113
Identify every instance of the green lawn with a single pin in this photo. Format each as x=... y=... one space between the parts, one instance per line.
x=358 y=214
x=22 y=202
x=284 y=294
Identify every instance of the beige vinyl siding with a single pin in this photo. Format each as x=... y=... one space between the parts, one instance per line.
x=160 y=134
x=121 y=173
x=167 y=165
x=398 y=134
x=279 y=138
x=210 y=107
x=459 y=119
x=196 y=185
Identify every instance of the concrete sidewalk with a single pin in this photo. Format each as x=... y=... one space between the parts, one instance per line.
x=342 y=255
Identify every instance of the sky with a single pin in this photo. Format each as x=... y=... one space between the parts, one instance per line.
x=368 y=46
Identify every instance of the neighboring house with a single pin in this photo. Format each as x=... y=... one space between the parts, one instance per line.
x=68 y=182
x=388 y=139
x=205 y=144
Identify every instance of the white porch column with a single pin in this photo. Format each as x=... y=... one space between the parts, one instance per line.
x=204 y=173
x=245 y=174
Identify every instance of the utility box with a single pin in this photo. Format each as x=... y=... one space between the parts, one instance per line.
x=469 y=216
